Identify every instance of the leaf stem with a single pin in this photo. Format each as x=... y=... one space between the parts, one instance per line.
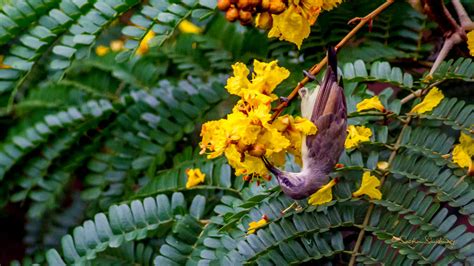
x=361 y=235
x=317 y=67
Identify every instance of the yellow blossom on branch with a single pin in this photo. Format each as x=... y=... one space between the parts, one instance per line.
x=247 y=133
x=357 y=135
x=253 y=226
x=195 y=177
x=470 y=42
x=101 y=50
x=187 y=26
x=370 y=104
x=431 y=100
x=144 y=44
x=463 y=152
x=369 y=187
x=328 y=5
x=323 y=195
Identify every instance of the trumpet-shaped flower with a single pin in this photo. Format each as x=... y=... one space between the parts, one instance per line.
x=195 y=177
x=254 y=225
x=357 y=135
x=370 y=104
x=463 y=152
x=323 y=195
x=294 y=24
x=431 y=100
x=470 y=42
x=369 y=187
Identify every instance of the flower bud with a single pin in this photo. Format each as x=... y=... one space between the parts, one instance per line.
x=277 y=7
x=264 y=21
x=232 y=14
x=245 y=17
x=223 y=5
x=265 y=5
x=257 y=150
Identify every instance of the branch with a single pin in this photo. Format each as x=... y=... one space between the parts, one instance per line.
x=462 y=14
x=361 y=235
x=317 y=68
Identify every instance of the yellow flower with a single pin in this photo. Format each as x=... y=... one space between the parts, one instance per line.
x=253 y=226
x=144 y=47
x=330 y=4
x=369 y=187
x=470 y=42
x=294 y=128
x=101 y=50
x=195 y=177
x=356 y=135
x=463 y=152
x=369 y=104
x=323 y=195
x=266 y=77
x=116 y=45
x=2 y=65
x=187 y=26
x=294 y=24
x=431 y=100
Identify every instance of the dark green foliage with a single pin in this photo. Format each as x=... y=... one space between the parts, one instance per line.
x=96 y=148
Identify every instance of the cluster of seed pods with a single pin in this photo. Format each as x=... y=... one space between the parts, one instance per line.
x=245 y=10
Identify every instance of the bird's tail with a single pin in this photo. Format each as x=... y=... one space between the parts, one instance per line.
x=332 y=62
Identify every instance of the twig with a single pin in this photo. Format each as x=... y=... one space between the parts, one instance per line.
x=454 y=39
x=361 y=235
x=316 y=68
x=462 y=14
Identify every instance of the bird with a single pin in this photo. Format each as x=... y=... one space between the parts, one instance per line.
x=326 y=107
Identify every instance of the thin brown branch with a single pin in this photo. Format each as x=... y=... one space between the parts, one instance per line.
x=361 y=235
x=447 y=46
x=317 y=68
x=462 y=14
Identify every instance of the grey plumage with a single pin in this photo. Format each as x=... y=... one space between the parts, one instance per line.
x=326 y=108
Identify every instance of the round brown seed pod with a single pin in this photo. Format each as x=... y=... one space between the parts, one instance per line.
x=277 y=7
x=265 y=5
x=223 y=5
x=232 y=14
x=245 y=17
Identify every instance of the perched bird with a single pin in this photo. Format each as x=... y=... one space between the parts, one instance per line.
x=325 y=106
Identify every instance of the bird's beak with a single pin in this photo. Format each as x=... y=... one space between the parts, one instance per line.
x=270 y=167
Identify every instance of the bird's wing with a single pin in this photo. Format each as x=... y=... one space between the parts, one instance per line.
x=330 y=117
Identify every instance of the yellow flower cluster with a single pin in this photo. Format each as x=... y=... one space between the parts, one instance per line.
x=463 y=152
x=247 y=134
x=470 y=42
x=431 y=100
x=294 y=24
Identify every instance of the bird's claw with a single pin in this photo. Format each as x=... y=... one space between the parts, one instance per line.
x=309 y=75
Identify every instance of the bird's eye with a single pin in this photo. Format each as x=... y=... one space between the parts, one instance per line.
x=302 y=92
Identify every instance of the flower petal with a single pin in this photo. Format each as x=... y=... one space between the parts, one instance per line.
x=357 y=135
x=323 y=195
x=195 y=177
x=369 y=104
x=369 y=187
x=431 y=100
